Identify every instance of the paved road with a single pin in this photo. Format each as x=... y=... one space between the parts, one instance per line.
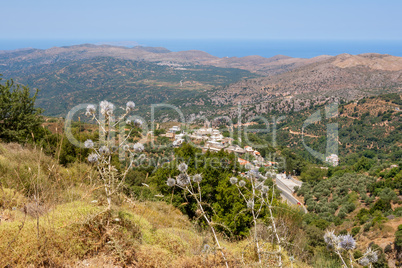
x=290 y=183
x=285 y=186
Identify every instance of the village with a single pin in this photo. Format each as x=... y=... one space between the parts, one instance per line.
x=211 y=139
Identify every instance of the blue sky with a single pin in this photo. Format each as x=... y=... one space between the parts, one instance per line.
x=132 y=20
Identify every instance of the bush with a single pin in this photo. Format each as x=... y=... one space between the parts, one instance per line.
x=367 y=227
x=355 y=231
x=363 y=164
x=398 y=211
x=342 y=214
x=388 y=195
x=357 y=254
x=321 y=223
x=388 y=249
x=350 y=207
x=381 y=205
x=398 y=239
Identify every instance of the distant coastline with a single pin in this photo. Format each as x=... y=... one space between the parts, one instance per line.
x=235 y=47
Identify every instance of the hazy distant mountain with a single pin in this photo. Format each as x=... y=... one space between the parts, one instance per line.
x=67 y=76
x=119 y=43
x=261 y=65
x=344 y=76
x=195 y=79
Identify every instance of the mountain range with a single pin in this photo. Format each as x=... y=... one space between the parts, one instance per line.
x=70 y=75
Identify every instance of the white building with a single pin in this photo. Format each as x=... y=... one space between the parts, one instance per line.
x=204 y=131
x=249 y=149
x=332 y=160
x=178 y=142
x=174 y=129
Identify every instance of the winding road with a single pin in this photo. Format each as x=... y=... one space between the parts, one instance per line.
x=286 y=186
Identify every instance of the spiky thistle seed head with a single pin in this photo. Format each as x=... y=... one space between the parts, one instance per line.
x=138 y=147
x=90 y=110
x=171 y=182
x=128 y=122
x=183 y=180
x=138 y=122
x=182 y=167
x=364 y=261
x=233 y=180
x=130 y=106
x=250 y=204
x=242 y=183
x=265 y=189
x=126 y=147
x=89 y=144
x=106 y=108
x=197 y=178
x=347 y=242
x=371 y=255
x=330 y=238
x=104 y=150
x=92 y=158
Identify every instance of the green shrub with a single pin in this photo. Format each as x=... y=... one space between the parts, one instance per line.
x=381 y=205
x=355 y=231
x=321 y=223
x=350 y=207
x=388 y=249
x=388 y=195
x=367 y=227
x=362 y=215
x=357 y=254
x=342 y=214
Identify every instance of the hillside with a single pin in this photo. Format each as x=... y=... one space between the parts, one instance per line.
x=344 y=76
x=194 y=80
x=371 y=127
x=55 y=216
x=264 y=66
x=65 y=83
x=57 y=208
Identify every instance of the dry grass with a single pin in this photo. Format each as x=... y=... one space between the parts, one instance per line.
x=11 y=198
x=51 y=240
x=80 y=233
x=35 y=175
x=49 y=220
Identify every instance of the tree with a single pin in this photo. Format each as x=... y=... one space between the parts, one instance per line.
x=388 y=195
x=363 y=164
x=313 y=174
x=19 y=118
x=398 y=242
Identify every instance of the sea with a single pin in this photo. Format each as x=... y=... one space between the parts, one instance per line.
x=232 y=47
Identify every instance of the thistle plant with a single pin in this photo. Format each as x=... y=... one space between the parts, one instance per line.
x=257 y=199
x=192 y=185
x=343 y=246
x=102 y=152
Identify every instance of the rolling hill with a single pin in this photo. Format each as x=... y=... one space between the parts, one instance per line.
x=195 y=80
x=345 y=76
